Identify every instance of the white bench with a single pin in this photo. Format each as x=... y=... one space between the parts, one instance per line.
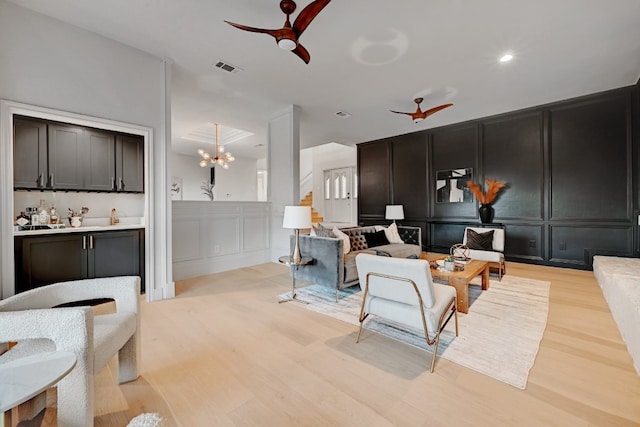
x=29 y=319
x=619 y=279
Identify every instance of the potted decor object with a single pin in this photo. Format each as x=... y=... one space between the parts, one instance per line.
x=487 y=198
x=75 y=218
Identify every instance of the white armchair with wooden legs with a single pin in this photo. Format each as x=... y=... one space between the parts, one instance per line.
x=402 y=291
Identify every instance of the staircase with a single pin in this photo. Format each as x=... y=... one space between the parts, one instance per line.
x=308 y=201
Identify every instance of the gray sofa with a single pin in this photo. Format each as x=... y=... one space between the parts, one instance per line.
x=332 y=268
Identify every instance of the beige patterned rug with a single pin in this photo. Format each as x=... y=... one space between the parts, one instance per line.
x=499 y=337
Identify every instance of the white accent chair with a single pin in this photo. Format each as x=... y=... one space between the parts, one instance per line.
x=30 y=319
x=495 y=257
x=402 y=290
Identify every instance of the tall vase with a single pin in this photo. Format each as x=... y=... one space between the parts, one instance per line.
x=486 y=213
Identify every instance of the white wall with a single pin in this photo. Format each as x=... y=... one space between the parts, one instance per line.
x=47 y=63
x=192 y=175
x=238 y=183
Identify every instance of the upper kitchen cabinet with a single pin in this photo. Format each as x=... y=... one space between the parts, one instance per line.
x=130 y=163
x=30 y=154
x=59 y=156
x=66 y=165
x=99 y=155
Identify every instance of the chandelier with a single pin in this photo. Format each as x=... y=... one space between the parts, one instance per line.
x=219 y=157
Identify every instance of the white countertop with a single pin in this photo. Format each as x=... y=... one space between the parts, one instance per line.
x=82 y=229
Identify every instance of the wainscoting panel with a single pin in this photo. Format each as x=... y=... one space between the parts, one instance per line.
x=444 y=235
x=572 y=245
x=374 y=178
x=210 y=237
x=255 y=232
x=189 y=245
x=512 y=151
x=454 y=148
x=409 y=170
x=590 y=150
x=524 y=242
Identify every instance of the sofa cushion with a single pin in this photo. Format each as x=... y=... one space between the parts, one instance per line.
x=393 y=236
x=376 y=239
x=480 y=241
x=350 y=270
x=346 y=245
x=322 y=231
x=358 y=242
x=400 y=250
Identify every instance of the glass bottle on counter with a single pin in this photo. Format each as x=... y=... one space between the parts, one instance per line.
x=43 y=215
x=53 y=216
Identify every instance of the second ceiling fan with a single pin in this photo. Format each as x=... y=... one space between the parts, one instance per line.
x=420 y=115
x=287 y=36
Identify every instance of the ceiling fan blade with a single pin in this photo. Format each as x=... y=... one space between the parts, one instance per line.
x=436 y=109
x=307 y=15
x=401 y=112
x=273 y=33
x=302 y=53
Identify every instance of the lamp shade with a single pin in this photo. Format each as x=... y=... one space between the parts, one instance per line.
x=394 y=212
x=297 y=217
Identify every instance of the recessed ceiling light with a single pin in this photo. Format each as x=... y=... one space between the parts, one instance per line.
x=506 y=57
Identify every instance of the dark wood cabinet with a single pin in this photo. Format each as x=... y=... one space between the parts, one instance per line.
x=129 y=163
x=30 y=153
x=59 y=156
x=65 y=156
x=99 y=156
x=45 y=259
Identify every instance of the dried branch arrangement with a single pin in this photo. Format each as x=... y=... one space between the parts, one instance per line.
x=493 y=188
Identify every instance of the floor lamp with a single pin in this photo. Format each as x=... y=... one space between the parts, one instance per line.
x=394 y=212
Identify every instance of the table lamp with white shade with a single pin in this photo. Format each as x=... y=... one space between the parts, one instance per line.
x=297 y=217
x=394 y=212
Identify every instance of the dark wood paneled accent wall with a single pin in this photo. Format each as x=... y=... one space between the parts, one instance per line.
x=572 y=170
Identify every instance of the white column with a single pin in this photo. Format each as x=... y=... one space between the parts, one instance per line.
x=283 y=161
x=161 y=284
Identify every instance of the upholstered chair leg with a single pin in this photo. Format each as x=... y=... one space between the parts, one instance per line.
x=128 y=361
x=76 y=398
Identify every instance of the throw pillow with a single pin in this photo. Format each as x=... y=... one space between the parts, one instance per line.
x=480 y=241
x=376 y=239
x=322 y=231
x=391 y=232
x=346 y=246
x=357 y=242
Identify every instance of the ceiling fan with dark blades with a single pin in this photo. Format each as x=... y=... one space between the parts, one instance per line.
x=287 y=36
x=420 y=115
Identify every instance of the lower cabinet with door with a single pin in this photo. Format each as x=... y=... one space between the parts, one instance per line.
x=49 y=258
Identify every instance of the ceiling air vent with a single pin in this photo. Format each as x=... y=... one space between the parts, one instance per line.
x=228 y=67
x=343 y=114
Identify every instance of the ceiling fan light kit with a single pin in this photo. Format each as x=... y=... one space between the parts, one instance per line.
x=288 y=36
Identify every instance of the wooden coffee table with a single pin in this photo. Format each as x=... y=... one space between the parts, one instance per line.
x=460 y=280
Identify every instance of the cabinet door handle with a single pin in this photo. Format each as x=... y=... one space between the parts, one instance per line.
x=50 y=180
x=91 y=241
x=120 y=184
x=84 y=243
x=41 y=180
x=113 y=182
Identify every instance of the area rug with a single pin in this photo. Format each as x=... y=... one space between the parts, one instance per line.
x=499 y=337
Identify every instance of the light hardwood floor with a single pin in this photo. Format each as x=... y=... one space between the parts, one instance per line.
x=225 y=353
